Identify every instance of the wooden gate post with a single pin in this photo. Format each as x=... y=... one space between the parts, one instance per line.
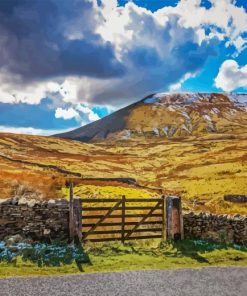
x=71 y=213
x=174 y=218
x=77 y=210
x=123 y=219
x=163 y=217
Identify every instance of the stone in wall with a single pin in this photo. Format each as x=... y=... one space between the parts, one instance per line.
x=47 y=220
x=218 y=228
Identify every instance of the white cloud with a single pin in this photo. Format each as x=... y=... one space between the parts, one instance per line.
x=224 y=19
x=86 y=110
x=67 y=113
x=153 y=47
x=177 y=86
x=82 y=113
x=30 y=131
x=231 y=76
x=13 y=90
x=167 y=31
x=108 y=7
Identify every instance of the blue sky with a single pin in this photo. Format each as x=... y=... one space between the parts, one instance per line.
x=65 y=63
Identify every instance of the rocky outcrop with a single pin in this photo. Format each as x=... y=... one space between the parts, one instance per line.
x=44 y=220
x=218 y=228
x=236 y=198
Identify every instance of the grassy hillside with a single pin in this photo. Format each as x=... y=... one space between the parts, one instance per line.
x=200 y=169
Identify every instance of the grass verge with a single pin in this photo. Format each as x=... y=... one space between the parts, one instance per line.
x=135 y=256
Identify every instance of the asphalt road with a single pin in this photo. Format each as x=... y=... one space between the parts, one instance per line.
x=193 y=282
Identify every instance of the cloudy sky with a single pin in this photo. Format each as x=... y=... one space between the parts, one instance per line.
x=65 y=63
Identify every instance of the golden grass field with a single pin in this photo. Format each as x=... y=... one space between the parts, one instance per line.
x=201 y=169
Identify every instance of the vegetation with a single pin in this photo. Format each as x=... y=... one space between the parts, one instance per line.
x=198 y=165
x=200 y=169
x=107 y=191
x=43 y=254
x=131 y=256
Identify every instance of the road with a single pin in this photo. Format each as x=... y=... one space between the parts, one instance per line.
x=169 y=282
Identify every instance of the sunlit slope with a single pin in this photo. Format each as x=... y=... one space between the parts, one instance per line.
x=200 y=169
x=169 y=116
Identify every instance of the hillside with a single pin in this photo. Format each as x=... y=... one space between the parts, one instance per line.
x=169 y=116
x=199 y=168
x=193 y=145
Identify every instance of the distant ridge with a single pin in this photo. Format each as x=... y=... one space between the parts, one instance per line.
x=169 y=115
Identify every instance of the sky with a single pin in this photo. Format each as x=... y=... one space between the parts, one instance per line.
x=66 y=63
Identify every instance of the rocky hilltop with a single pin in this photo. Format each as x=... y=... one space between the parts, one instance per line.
x=170 y=116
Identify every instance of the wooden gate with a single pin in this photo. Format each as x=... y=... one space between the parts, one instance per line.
x=122 y=219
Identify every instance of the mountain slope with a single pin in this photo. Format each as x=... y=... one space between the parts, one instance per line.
x=199 y=169
x=170 y=116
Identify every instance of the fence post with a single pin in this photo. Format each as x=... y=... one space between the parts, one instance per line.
x=181 y=218
x=123 y=218
x=174 y=219
x=77 y=204
x=163 y=217
x=71 y=212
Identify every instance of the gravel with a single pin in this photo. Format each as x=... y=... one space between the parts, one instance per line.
x=169 y=282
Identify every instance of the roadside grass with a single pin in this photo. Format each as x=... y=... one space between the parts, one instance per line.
x=137 y=255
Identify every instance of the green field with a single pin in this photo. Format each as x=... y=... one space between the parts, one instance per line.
x=136 y=256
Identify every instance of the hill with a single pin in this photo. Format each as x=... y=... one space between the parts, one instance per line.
x=193 y=145
x=169 y=116
x=199 y=168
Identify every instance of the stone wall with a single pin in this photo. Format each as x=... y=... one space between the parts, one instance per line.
x=218 y=228
x=49 y=220
x=45 y=220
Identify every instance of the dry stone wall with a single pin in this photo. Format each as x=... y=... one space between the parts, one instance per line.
x=49 y=220
x=218 y=228
x=45 y=220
